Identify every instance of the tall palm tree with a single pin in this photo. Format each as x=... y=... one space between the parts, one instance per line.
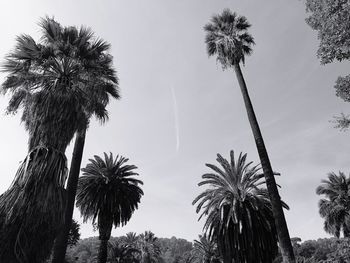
x=239 y=213
x=59 y=82
x=336 y=208
x=149 y=247
x=205 y=250
x=108 y=194
x=228 y=38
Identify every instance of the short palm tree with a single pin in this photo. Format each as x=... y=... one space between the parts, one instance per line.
x=120 y=252
x=60 y=82
x=228 y=38
x=108 y=194
x=336 y=208
x=149 y=247
x=131 y=239
x=205 y=250
x=74 y=233
x=238 y=211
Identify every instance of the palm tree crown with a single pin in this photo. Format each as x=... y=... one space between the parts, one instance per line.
x=238 y=211
x=67 y=76
x=149 y=247
x=227 y=37
x=336 y=208
x=108 y=191
x=120 y=252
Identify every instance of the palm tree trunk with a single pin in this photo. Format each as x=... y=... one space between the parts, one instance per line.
x=102 y=251
x=60 y=246
x=105 y=224
x=277 y=210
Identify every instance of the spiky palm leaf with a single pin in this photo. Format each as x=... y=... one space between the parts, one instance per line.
x=238 y=211
x=227 y=38
x=336 y=208
x=108 y=193
x=59 y=81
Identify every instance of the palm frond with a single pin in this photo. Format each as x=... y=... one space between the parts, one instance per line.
x=107 y=188
x=238 y=212
x=227 y=38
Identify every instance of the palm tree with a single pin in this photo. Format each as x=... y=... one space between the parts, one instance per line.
x=101 y=77
x=205 y=250
x=120 y=252
x=239 y=213
x=228 y=38
x=74 y=233
x=131 y=239
x=336 y=208
x=149 y=247
x=60 y=82
x=108 y=194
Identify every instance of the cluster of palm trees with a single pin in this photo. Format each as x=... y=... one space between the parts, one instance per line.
x=246 y=230
x=60 y=82
x=67 y=77
x=134 y=248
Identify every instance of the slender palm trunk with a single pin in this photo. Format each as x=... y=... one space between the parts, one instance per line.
x=60 y=246
x=277 y=210
x=102 y=251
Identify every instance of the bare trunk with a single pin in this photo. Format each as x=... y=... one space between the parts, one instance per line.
x=60 y=246
x=105 y=225
x=102 y=251
x=277 y=210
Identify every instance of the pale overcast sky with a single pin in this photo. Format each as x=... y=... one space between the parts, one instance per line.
x=179 y=109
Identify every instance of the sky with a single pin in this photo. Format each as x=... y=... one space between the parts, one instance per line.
x=179 y=108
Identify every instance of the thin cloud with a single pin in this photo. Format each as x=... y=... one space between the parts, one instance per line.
x=176 y=118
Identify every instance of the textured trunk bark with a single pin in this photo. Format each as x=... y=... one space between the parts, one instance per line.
x=102 y=251
x=105 y=224
x=280 y=221
x=60 y=246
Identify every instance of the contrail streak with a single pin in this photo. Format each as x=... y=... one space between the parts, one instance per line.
x=176 y=117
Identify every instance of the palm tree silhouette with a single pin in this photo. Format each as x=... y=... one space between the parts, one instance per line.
x=238 y=211
x=59 y=82
x=336 y=208
x=228 y=38
x=108 y=194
